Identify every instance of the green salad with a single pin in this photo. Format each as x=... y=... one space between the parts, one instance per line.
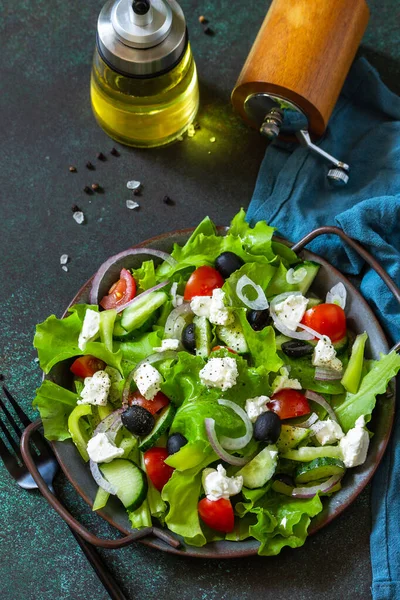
x=210 y=390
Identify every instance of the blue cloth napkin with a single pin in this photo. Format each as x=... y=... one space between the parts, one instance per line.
x=293 y=194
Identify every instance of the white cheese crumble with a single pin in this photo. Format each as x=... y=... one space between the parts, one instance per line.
x=219 y=373
x=256 y=407
x=177 y=299
x=148 y=380
x=329 y=432
x=325 y=355
x=100 y=449
x=283 y=381
x=95 y=389
x=217 y=485
x=213 y=307
x=90 y=328
x=354 y=444
x=169 y=344
x=291 y=310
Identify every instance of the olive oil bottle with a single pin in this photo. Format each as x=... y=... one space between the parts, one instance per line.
x=144 y=87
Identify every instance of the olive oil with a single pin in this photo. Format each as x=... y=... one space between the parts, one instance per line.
x=144 y=87
x=145 y=112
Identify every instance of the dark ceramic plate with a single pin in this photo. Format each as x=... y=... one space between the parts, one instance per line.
x=360 y=318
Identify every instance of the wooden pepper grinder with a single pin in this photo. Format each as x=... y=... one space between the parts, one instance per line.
x=296 y=68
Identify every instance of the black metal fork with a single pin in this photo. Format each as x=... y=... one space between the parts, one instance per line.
x=48 y=466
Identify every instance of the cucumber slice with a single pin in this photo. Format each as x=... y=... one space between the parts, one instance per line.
x=162 y=425
x=291 y=437
x=129 y=481
x=281 y=339
x=352 y=375
x=319 y=468
x=281 y=487
x=261 y=468
x=203 y=336
x=312 y=269
x=137 y=314
x=122 y=335
x=308 y=453
x=233 y=336
x=313 y=302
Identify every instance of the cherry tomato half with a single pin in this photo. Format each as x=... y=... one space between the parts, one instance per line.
x=121 y=292
x=223 y=348
x=86 y=366
x=327 y=319
x=202 y=282
x=217 y=514
x=156 y=468
x=153 y=406
x=289 y=403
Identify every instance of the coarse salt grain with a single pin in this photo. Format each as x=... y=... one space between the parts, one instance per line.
x=131 y=204
x=133 y=185
x=191 y=131
x=64 y=258
x=79 y=217
x=64 y=268
x=212 y=139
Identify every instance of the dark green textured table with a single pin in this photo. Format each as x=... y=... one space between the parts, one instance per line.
x=46 y=125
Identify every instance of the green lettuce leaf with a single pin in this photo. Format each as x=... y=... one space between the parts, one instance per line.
x=141 y=517
x=55 y=404
x=261 y=344
x=182 y=380
x=375 y=382
x=57 y=340
x=257 y=239
x=261 y=275
x=145 y=276
x=182 y=494
x=303 y=370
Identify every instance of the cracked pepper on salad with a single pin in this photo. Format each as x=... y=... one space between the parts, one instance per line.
x=210 y=390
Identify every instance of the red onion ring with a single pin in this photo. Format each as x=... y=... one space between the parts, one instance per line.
x=140 y=296
x=310 y=492
x=218 y=449
x=108 y=422
x=230 y=443
x=260 y=303
x=322 y=374
x=111 y=262
x=306 y=424
x=311 y=331
x=149 y=360
x=177 y=320
x=337 y=295
x=99 y=479
x=322 y=402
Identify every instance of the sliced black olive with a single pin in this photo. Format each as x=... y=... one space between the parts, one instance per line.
x=189 y=338
x=138 y=420
x=267 y=428
x=227 y=263
x=259 y=319
x=297 y=348
x=175 y=442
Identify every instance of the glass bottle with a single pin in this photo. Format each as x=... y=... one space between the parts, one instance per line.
x=144 y=87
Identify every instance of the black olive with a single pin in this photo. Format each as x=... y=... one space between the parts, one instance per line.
x=297 y=348
x=138 y=420
x=259 y=319
x=267 y=428
x=189 y=338
x=227 y=263
x=175 y=442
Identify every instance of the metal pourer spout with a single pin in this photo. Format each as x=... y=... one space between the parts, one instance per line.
x=141 y=7
x=272 y=123
x=142 y=12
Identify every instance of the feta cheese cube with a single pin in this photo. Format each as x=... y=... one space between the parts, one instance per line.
x=325 y=355
x=95 y=389
x=148 y=380
x=283 y=381
x=100 y=449
x=354 y=444
x=256 y=407
x=169 y=344
x=213 y=307
x=328 y=432
x=217 y=485
x=219 y=373
x=90 y=328
x=291 y=310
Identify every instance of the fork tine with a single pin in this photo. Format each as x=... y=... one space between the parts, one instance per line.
x=8 y=459
x=9 y=437
x=25 y=420
x=10 y=418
